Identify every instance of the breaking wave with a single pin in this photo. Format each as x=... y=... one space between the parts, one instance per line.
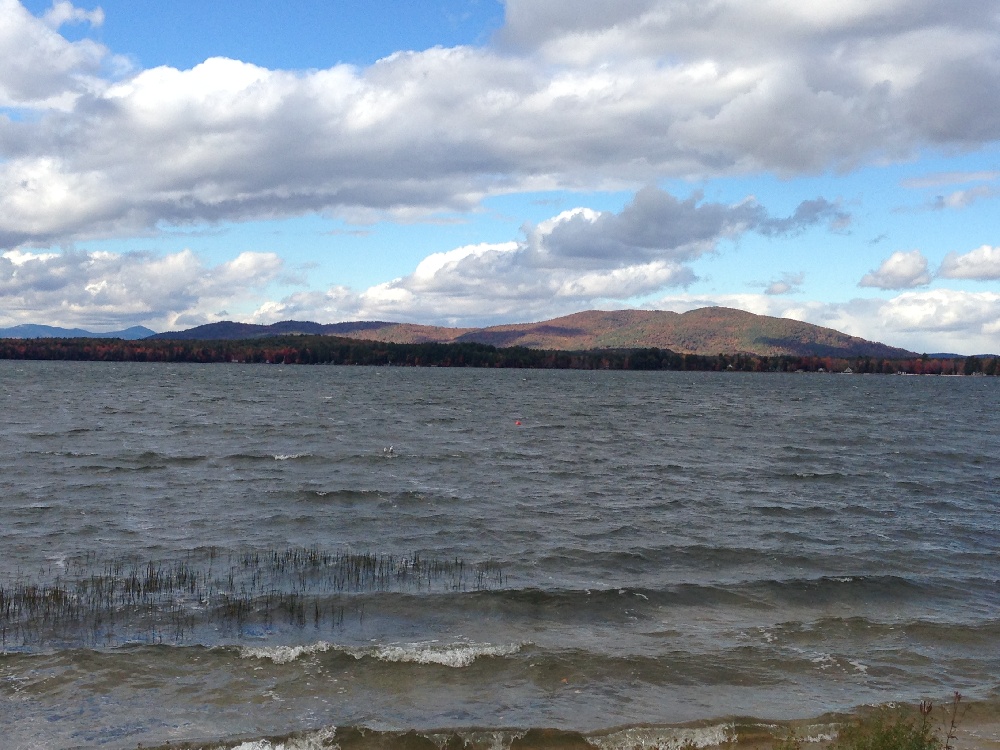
x=455 y=655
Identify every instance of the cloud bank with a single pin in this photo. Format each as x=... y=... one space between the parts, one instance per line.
x=571 y=95
x=108 y=290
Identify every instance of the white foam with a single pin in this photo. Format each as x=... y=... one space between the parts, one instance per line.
x=824 y=661
x=313 y=741
x=665 y=738
x=290 y=456
x=284 y=654
x=454 y=655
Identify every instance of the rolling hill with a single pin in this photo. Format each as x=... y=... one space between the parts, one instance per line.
x=706 y=331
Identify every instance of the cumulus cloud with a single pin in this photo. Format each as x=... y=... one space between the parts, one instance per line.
x=39 y=68
x=571 y=95
x=108 y=290
x=901 y=270
x=655 y=223
x=982 y=264
x=946 y=311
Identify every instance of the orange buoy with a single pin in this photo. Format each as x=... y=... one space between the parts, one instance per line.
x=517 y=422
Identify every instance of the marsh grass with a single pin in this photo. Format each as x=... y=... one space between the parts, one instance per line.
x=894 y=728
x=123 y=599
x=889 y=730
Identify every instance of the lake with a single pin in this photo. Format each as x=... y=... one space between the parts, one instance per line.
x=221 y=553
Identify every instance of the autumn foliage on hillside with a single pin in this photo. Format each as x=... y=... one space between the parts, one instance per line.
x=705 y=331
x=344 y=351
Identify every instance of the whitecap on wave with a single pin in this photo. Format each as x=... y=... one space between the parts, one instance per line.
x=460 y=654
x=448 y=655
x=284 y=654
x=312 y=741
x=664 y=738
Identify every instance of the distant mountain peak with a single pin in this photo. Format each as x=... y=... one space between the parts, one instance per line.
x=706 y=331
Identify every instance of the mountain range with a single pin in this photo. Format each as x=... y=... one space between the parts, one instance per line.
x=33 y=331
x=706 y=331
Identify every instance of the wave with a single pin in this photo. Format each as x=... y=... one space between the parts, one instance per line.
x=757 y=594
x=314 y=494
x=711 y=733
x=285 y=654
x=643 y=737
x=455 y=655
x=262 y=457
x=291 y=589
x=156 y=457
x=858 y=630
x=818 y=476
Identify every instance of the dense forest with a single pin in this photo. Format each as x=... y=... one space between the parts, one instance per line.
x=332 y=350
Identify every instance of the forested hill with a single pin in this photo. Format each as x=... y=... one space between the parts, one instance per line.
x=228 y=330
x=708 y=331
x=335 y=350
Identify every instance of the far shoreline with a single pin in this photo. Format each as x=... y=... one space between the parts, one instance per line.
x=333 y=350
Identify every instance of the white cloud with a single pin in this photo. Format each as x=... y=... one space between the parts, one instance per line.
x=901 y=270
x=982 y=264
x=572 y=95
x=107 y=290
x=38 y=67
x=62 y=12
x=941 y=310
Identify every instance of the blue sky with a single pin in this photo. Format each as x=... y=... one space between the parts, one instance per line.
x=473 y=162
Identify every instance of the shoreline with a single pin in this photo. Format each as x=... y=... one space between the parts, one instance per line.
x=978 y=728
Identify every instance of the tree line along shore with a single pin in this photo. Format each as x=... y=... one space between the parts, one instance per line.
x=331 y=350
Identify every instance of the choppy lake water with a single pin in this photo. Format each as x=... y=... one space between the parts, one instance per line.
x=220 y=553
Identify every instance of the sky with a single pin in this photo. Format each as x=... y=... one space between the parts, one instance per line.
x=477 y=162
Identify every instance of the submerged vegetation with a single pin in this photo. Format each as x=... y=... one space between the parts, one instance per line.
x=334 y=350
x=113 y=601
